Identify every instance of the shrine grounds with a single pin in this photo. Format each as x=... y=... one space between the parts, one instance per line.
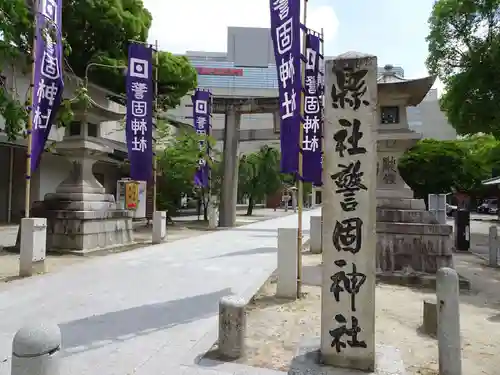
x=183 y=227
x=276 y=327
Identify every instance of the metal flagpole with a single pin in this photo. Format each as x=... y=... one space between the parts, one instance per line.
x=300 y=184
x=155 y=132
x=29 y=124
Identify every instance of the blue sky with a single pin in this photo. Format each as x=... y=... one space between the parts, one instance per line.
x=393 y=30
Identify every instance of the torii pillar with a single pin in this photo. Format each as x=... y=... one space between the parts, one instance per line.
x=229 y=188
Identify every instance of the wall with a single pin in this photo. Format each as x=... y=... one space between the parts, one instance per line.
x=19 y=183
x=428 y=119
x=110 y=175
x=4 y=183
x=52 y=171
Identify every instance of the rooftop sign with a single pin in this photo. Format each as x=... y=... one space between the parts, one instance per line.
x=219 y=71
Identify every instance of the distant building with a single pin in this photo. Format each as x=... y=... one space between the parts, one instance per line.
x=248 y=70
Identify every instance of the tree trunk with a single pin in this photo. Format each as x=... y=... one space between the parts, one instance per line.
x=250 y=206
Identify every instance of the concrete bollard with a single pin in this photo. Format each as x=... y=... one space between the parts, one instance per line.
x=33 y=246
x=36 y=349
x=287 y=263
x=232 y=327
x=493 y=246
x=315 y=238
x=159 y=226
x=448 y=328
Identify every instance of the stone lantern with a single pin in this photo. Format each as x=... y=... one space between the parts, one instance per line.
x=81 y=216
x=409 y=238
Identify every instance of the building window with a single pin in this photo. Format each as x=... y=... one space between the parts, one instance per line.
x=92 y=130
x=389 y=115
x=74 y=128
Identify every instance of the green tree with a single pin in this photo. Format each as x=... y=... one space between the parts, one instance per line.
x=464 y=52
x=178 y=163
x=437 y=167
x=259 y=175
x=96 y=31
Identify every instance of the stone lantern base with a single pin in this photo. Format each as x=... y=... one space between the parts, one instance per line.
x=81 y=217
x=410 y=239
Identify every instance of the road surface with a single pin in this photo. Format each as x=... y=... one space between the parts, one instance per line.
x=148 y=311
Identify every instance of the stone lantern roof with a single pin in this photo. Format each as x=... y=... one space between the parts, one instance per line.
x=391 y=84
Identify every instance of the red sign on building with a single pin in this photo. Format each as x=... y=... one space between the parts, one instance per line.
x=219 y=72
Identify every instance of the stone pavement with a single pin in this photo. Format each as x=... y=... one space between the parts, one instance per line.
x=185 y=226
x=145 y=312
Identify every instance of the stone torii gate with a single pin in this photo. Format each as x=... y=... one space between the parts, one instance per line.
x=233 y=108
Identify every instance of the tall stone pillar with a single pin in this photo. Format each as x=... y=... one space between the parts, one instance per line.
x=348 y=290
x=229 y=189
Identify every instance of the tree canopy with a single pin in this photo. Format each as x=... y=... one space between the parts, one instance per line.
x=178 y=163
x=96 y=31
x=438 y=167
x=464 y=52
x=259 y=175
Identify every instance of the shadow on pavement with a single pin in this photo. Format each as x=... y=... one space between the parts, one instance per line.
x=141 y=320
x=305 y=231
x=260 y=250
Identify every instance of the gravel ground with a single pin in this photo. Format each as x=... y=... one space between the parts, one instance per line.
x=276 y=326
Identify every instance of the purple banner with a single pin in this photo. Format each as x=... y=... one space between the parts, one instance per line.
x=139 y=121
x=321 y=92
x=48 y=82
x=201 y=118
x=285 y=34
x=311 y=143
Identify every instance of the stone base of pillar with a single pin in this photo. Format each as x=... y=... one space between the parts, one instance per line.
x=312 y=361
x=409 y=238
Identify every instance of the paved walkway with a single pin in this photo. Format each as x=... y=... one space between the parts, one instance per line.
x=144 y=312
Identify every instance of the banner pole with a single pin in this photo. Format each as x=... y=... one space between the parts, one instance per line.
x=322 y=121
x=300 y=183
x=155 y=132
x=29 y=123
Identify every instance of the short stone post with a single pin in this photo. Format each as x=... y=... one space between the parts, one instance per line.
x=493 y=246
x=36 y=349
x=232 y=327
x=287 y=263
x=429 y=325
x=33 y=246
x=448 y=328
x=315 y=238
x=159 y=226
x=213 y=213
x=349 y=209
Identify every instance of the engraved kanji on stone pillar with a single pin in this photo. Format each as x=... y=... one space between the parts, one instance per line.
x=348 y=290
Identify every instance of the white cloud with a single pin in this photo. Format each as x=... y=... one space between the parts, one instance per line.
x=202 y=25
